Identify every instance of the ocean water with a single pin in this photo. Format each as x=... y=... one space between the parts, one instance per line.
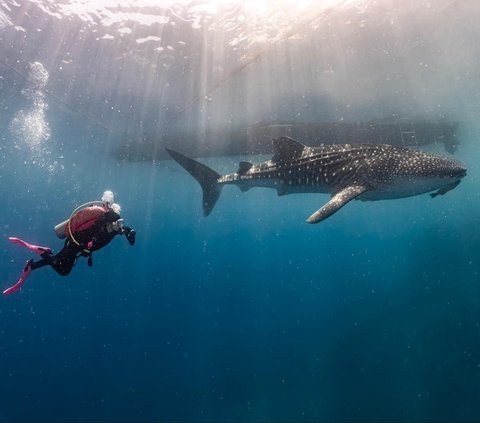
x=249 y=314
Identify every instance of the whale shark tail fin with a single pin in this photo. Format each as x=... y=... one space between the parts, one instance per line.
x=206 y=177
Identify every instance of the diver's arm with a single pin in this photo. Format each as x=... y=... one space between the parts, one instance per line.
x=130 y=234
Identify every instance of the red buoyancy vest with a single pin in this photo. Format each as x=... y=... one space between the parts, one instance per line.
x=84 y=219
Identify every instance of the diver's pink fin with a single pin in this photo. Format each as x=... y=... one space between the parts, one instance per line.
x=14 y=288
x=35 y=248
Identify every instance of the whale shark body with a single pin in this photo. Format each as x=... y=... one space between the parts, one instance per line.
x=345 y=171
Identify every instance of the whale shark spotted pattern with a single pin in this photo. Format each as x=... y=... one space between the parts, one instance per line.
x=346 y=171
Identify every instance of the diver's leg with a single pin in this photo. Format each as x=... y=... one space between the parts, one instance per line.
x=63 y=262
x=39 y=263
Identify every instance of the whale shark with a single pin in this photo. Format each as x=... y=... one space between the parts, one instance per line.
x=365 y=172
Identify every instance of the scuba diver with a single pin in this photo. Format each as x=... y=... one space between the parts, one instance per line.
x=90 y=227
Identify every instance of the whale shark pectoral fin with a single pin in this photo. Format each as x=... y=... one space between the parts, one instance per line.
x=445 y=189
x=337 y=201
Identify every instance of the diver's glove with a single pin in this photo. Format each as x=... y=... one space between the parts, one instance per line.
x=130 y=234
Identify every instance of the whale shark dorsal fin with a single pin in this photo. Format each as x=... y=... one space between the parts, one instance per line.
x=244 y=167
x=337 y=201
x=286 y=149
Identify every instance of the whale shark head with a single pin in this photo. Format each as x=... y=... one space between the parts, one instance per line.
x=451 y=173
x=417 y=172
x=442 y=168
x=453 y=169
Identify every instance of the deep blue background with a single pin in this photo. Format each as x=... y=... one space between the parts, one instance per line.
x=247 y=315
x=250 y=314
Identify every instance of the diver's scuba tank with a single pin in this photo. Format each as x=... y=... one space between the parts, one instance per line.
x=60 y=229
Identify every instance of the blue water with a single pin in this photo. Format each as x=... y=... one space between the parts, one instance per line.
x=247 y=315
x=250 y=314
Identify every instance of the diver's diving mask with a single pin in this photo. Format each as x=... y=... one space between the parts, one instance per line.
x=116 y=226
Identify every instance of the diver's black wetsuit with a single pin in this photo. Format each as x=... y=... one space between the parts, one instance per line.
x=99 y=235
